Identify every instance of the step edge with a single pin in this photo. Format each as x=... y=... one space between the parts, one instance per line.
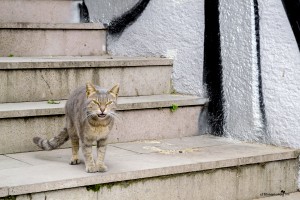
x=18 y=63
x=144 y=174
x=58 y=109
x=52 y=26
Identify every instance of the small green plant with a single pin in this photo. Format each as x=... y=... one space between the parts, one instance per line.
x=174 y=107
x=53 y=102
x=10 y=55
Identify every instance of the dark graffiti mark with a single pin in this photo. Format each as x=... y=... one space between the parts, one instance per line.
x=118 y=25
x=212 y=69
x=260 y=89
x=84 y=13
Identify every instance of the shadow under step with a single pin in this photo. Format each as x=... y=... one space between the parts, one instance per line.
x=140 y=118
x=199 y=167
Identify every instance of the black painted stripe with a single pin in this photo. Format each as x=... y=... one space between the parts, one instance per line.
x=260 y=88
x=292 y=9
x=212 y=69
x=84 y=12
x=118 y=25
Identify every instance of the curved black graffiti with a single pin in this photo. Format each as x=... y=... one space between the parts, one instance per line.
x=212 y=68
x=260 y=88
x=118 y=24
x=292 y=9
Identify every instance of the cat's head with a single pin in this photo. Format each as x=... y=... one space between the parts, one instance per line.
x=101 y=103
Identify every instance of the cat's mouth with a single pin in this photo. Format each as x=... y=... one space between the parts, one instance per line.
x=101 y=115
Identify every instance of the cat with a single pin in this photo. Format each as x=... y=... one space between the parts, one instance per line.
x=90 y=113
x=84 y=13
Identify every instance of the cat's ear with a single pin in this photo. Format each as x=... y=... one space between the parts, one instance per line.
x=90 y=89
x=115 y=90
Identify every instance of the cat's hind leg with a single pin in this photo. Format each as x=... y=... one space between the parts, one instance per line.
x=75 y=148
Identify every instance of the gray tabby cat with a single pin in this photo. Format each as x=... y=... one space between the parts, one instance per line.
x=90 y=113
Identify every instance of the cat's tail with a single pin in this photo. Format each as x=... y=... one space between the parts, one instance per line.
x=53 y=143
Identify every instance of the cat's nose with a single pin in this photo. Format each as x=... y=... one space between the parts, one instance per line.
x=102 y=110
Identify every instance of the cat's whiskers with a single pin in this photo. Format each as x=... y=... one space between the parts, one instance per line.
x=115 y=115
x=89 y=115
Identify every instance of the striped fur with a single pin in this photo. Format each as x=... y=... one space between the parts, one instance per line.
x=53 y=143
x=90 y=113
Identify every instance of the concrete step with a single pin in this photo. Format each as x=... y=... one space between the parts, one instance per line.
x=38 y=39
x=144 y=117
x=280 y=196
x=43 y=78
x=39 y=11
x=199 y=167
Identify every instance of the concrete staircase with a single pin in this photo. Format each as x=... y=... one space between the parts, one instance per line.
x=46 y=53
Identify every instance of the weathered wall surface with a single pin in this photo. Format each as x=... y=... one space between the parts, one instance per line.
x=104 y=11
x=239 y=61
x=171 y=28
x=281 y=74
x=175 y=28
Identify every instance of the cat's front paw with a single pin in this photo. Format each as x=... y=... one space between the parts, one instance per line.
x=91 y=169
x=74 y=162
x=101 y=167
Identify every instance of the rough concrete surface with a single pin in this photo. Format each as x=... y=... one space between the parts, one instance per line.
x=44 y=78
x=70 y=62
x=279 y=196
x=43 y=108
x=36 y=11
x=42 y=42
x=132 y=125
x=247 y=169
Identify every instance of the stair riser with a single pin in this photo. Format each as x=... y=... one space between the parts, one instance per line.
x=36 y=11
x=44 y=84
x=240 y=183
x=17 y=133
x=55 y=42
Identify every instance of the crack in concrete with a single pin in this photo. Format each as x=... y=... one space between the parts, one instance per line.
x=47 y=84
x=18 y=160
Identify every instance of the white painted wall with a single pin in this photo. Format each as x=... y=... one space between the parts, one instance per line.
x=104 y=11
x=175 y=28
x=171 y=28
x=281 y=74
x=239 y=60
x=280 y=62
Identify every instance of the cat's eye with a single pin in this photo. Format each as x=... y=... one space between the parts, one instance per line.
x=108 y=103
x=95 y=102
